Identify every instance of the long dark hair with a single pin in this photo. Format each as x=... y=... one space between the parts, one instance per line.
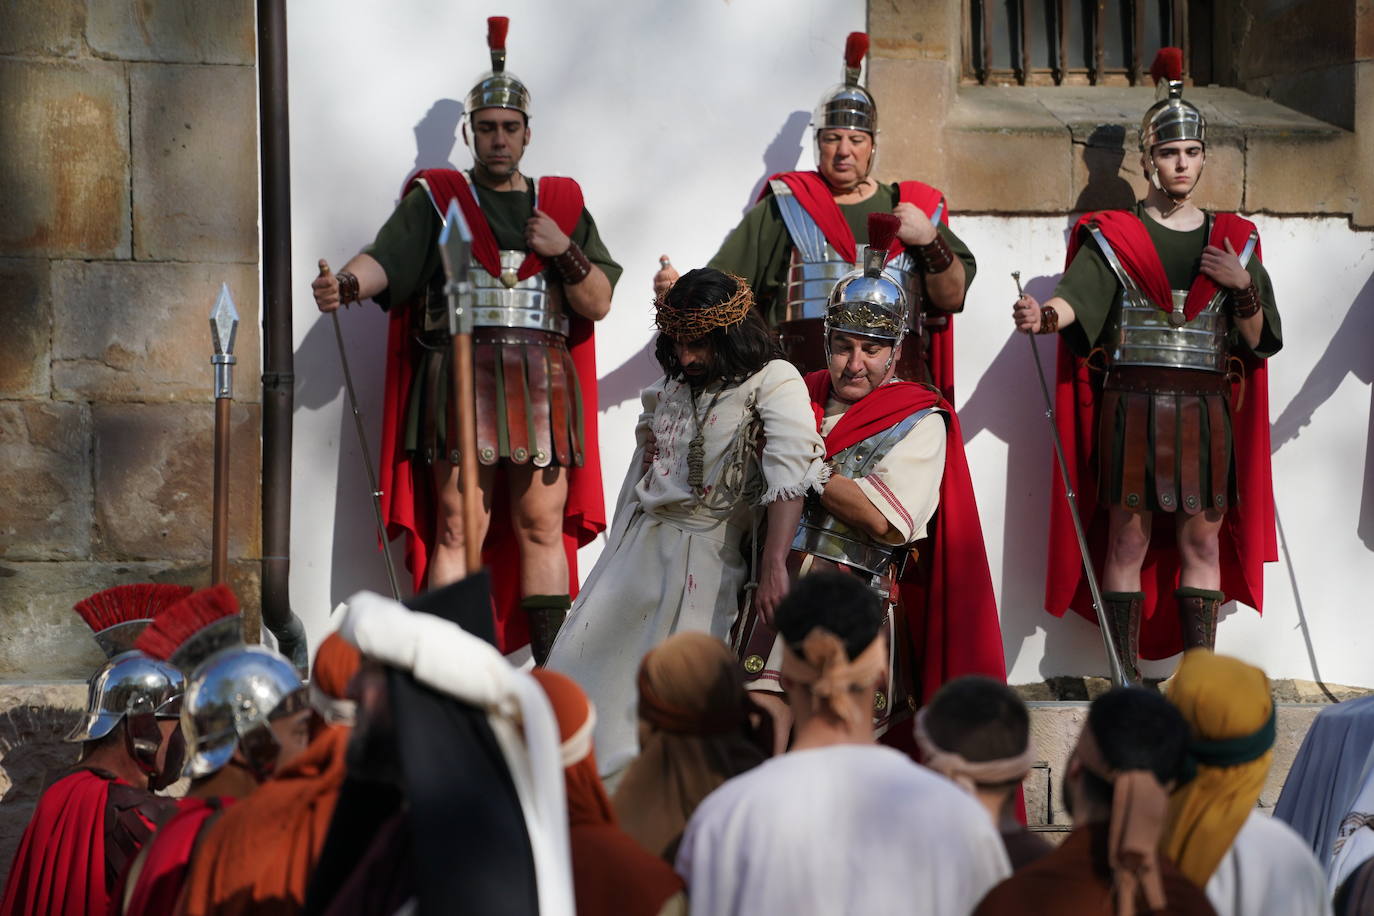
x=738 y=351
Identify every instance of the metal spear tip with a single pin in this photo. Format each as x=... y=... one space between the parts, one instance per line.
x=224 y=321
x=455 y=241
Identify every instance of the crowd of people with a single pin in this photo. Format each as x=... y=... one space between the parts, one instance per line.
x=420 y=770
x=782 y=686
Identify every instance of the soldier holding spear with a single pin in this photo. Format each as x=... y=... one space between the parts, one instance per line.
x=1177 y=303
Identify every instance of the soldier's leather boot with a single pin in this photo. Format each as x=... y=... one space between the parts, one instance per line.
x=1123 y=611
x=1197 y=614
x=546 y=614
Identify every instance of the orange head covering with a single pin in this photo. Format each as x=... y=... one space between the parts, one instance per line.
x=693 y=736
x=259 y=856
x=1231 y=715
x=587 y=800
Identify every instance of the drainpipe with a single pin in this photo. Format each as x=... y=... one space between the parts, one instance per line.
x=278 y=377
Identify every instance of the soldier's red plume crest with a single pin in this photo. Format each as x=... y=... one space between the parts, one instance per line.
x=882 y=229
x=124 y=603
x=497 y=27
x=1168 y=65
x=194 y=628
x=855 y=47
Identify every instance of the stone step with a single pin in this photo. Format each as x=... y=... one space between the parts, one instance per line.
x=1055 y=726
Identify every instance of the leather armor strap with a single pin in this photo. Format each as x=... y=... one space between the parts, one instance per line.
x=1165 y=452
x=935 y=256
x=537 y=362
x=559 y=404
x=484 y=372
x=1190 y=423
x=348 y=287
x=517 y=422
x=1049 y=320
x=1219 y=440
x=1245 y=302
x=572 y=265
x=1133 y=467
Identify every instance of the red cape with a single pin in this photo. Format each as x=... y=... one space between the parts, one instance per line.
x=952 y=613
x=1248 y=536
x=60 y=866
x=407 y=494
x=169 y=857
x=816 y=198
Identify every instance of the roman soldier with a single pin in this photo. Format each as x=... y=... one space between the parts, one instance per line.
x=542 y=276
x=245 y=714
x=1166 y=318
x=800 y=238
x=91 y=823
x=898 y=510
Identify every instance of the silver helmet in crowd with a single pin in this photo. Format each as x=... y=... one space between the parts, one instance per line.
x=497 y=88
x=231 y=700
x=130 y=686
x=871 y=302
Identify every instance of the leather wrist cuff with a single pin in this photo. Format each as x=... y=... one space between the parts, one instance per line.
x=1049 y=320
x=936 y=256
x=348 y=287
x=1245 y=302
x=572 y=265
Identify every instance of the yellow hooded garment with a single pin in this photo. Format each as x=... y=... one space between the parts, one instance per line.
x=1231 y=714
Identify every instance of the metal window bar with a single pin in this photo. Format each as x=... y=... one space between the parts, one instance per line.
x=998 y=48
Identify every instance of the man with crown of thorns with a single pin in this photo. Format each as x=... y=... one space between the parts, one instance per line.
x=726 y=439
x=1175 y=302
x=899 y=479
x=801 y=237
x=542 y=277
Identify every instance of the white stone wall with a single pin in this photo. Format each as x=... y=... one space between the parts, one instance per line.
x=670 y=115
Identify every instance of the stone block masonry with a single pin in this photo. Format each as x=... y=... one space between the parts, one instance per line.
x=128 y=171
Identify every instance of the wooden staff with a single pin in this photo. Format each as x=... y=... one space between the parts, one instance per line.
x=455 y=243
x=224 y=326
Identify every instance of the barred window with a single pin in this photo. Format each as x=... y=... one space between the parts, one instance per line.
x=1069 y=42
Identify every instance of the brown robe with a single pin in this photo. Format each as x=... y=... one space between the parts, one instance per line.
x=1074 y=880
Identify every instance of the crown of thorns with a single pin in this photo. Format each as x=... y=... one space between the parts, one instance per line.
x=695 y=323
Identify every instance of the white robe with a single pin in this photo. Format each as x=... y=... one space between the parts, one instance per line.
x=672 y=563
x=1268 y=871
x=850 y=828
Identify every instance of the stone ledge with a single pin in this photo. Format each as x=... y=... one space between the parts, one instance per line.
x=1097 y=129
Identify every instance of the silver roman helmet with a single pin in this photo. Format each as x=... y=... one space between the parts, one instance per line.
x=848 y=106
x=871 y=302
x=1172 y=117
x=497 y=88
x=232 y=699
x=130 y=686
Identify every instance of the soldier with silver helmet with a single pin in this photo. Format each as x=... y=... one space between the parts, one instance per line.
x=542 y=277
x=1166 y=318
x=244 y=715
x=800 y=237
x=130 y=748
x=896 y=457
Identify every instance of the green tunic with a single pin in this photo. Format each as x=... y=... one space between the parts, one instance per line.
x=760 y=249
x=407 y=245
x=1092 y=289
x=408 y=250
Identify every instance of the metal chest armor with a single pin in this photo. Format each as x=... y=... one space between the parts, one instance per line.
x=816 y=266
x=532 y=304
x=1143 y=335
x=823 y=535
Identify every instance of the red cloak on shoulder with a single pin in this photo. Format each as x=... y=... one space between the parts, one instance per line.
x=168 y=858
x=952 y=613
x=1248 y=539
x=815 y=196
x=59 y=868
x=408 y=504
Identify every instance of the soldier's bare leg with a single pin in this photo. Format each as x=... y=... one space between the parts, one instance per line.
x=447 y=563
x=1128 y=538
x=538 y=498
x=1199 y=549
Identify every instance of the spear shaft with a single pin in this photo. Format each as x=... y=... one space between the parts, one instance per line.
x=224 y=323
x=454 y=248
x=1118 y=673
